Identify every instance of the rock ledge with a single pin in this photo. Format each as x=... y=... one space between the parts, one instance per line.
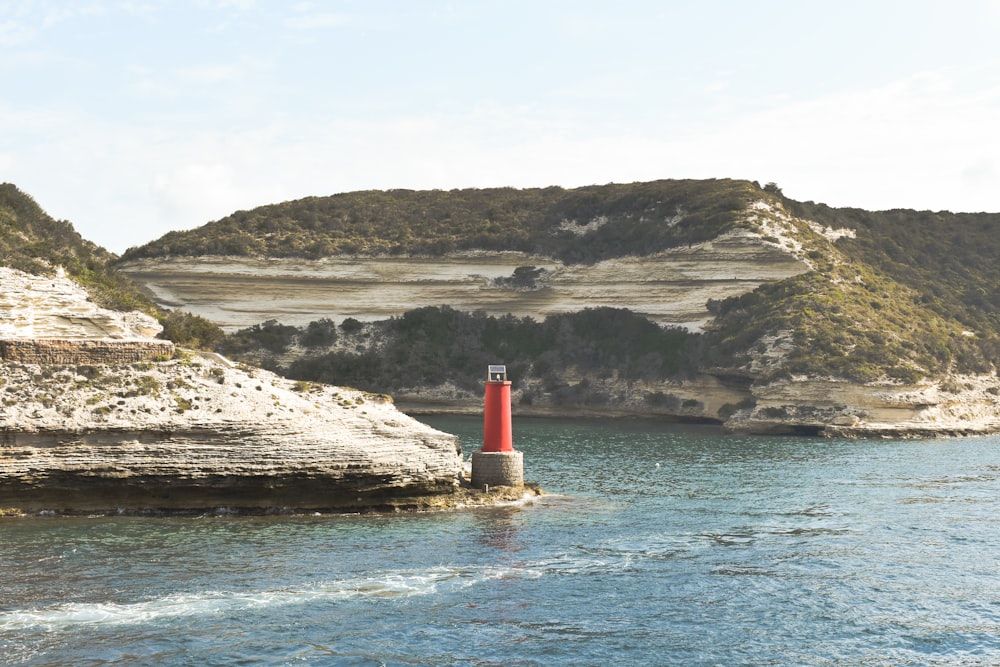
x=105 y=433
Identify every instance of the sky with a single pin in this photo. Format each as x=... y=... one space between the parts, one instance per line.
x=132 y=118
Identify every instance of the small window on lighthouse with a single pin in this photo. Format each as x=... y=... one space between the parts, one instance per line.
x=496 y=373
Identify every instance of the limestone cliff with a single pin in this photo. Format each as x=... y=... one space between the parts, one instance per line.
x=800 y=318
x=830 y=407
x=956 y=405
x=54 y=307
x=93 y=434
x=671 y=287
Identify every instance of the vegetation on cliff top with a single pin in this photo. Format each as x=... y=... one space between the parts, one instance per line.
x=33 y=242
x=577 y=225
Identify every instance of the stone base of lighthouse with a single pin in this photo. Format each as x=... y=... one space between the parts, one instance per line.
x=497 y=469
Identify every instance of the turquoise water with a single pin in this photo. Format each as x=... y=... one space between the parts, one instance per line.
x=657 y=545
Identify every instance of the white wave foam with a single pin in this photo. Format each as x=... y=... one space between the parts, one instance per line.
x=382 y=585
x=403 y=583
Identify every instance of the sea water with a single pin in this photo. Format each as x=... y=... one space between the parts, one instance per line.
x=656 y=544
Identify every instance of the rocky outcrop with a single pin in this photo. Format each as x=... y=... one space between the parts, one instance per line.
x=196 y=433
x=960 y=405
x=51 y=320
x=55 y=307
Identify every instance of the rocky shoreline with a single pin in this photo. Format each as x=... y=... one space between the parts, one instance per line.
x=87 y=428
x=958 y=406
x=459 y=498
x=193 y=434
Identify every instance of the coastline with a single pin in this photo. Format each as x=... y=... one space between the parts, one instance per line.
x=850 y=426
x=463 y=497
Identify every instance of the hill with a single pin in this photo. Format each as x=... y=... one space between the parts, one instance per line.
x=898 y=295
x=905 y=295
x=876 y=321
x=579 y=225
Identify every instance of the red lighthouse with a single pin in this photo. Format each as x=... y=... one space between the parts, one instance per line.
x=497 y=433
x=498 y=464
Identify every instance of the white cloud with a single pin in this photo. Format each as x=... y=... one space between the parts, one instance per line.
x=905 y=144
x=15 y=32
x=316 y=21
x=227 y=4
x=60 y=12
x=980 y=172
x=207 y=74
x=185 y=186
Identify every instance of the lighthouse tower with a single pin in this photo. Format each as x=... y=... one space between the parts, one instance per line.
x=498 y=464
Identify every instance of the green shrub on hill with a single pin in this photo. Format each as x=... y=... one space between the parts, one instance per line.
x=270 y=336
x=34 y=242
x=190 y=330
x=435 y=345
x=577 y=225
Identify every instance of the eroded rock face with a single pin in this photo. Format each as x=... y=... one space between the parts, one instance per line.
x=961 y=405
x=672 y=287
x=194 y=434
x=56 y=307
x=189 y=433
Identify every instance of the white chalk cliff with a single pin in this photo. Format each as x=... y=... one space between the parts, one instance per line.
x=670 y=287
x=193 y=432
x=55 y=307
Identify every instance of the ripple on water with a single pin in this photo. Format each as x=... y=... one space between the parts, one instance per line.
x=733 y=551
